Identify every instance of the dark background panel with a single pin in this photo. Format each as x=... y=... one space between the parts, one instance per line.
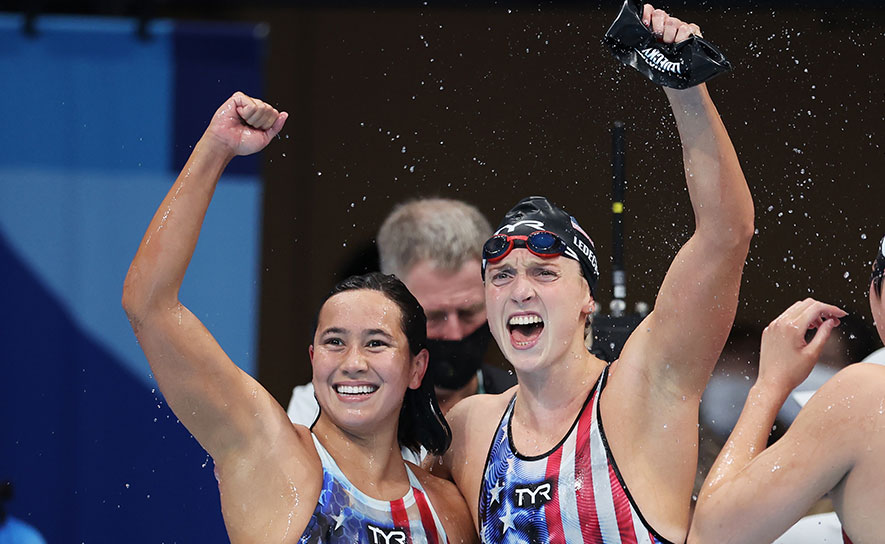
x=493 y=104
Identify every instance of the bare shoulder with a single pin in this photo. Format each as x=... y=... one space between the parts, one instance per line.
x=291 y=450
x=840 y=411
x=853 y=383
x=288 y=472
x=478 y=408
x=858 y=387
x=449 y=505
x=473 y=422
x=866 y=375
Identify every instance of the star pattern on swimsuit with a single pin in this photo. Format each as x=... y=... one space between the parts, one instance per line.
x=507 y=520
x=496 y=492
x=339 y=520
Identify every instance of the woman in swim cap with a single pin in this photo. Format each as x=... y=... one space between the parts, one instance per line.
x=343 y=480
x=582 y=451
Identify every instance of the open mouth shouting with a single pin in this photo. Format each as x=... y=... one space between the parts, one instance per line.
x=525 y=330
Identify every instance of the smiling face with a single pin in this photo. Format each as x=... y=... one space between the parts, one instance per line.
x=361 y=361
x=537 y=308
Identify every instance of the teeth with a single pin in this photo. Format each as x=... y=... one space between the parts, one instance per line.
x=355 y=389
x=525 y=320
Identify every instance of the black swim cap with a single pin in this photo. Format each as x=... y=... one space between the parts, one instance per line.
x=878 y=268
x=537 y=213
x=678 y=65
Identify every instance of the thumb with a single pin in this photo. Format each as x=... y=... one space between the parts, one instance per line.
x=278 y=124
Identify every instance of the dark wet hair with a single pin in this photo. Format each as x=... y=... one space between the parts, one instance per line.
x=421 y=422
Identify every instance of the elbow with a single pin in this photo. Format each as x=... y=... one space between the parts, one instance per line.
x=732 y=237
x=137 y=298
x=133 y=303
x=744 y=231
x=743 y=227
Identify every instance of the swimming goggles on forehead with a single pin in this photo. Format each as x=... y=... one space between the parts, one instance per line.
x=542 y=243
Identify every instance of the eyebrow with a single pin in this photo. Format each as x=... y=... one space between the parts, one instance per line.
x=368 y=332
x=474 y=307
x=498 y=266
x=380 y=332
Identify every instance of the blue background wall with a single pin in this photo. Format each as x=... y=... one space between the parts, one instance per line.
x=98 y=122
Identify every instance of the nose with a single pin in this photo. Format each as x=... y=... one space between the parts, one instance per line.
x=354 y=362
x=450 y=328
x=522 y=290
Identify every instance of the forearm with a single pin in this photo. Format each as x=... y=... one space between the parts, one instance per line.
x=719 y=194
x=158 y=269
x=748 y=439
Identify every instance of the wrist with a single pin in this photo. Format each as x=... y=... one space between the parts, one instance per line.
x=769 y=392
x=687 y=99
x=214 y=148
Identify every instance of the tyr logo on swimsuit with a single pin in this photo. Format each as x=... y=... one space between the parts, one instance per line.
x=381 y=536
x=533 y=494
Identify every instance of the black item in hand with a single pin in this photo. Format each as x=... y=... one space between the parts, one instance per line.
x=679 y=65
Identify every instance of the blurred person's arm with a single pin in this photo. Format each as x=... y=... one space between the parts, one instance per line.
x=773 y=487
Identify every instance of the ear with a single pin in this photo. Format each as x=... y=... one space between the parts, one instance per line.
x=310 y=354
x=419 y=368
x=589 y=303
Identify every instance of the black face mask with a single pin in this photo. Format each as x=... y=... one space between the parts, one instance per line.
x=454 y=362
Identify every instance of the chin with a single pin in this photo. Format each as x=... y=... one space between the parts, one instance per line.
x=526 y=360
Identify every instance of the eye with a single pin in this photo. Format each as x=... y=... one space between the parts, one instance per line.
x=377 y=343
x=436 y=317
x=546 y=273
x=501 y=276
x=333 y=341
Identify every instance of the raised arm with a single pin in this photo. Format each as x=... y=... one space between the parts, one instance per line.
x=695 y=307
x=214 y=399
x=774 y=487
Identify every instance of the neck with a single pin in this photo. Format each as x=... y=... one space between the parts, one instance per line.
x=550 y=392
x=449 y=397
x=372 y=461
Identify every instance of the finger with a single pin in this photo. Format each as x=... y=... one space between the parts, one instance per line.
x=671 y=27
x=820 y=337
x=696 y=30
x=243 y=104
x=658 y=19
x=817 y=313
x=797 y=311
x=683 y=33
x=278 y=124
x=268 y=119
x=792 y=313
x=263 y=114
x=647 y=10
